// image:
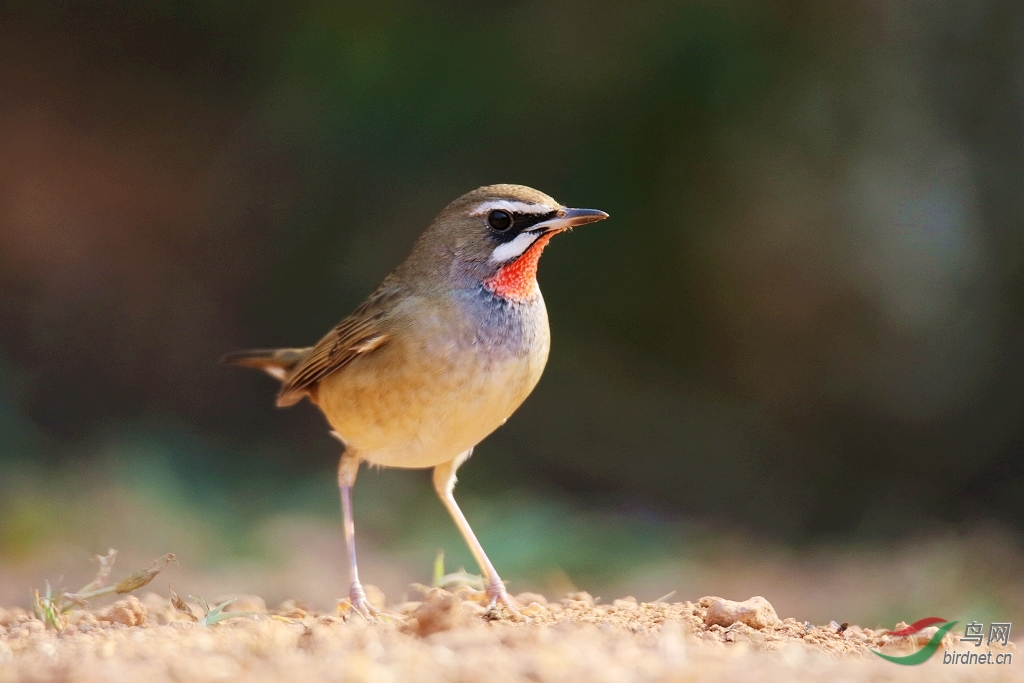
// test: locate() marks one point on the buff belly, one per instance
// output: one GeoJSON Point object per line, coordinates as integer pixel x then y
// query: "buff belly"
{"type": "Point", "coordinates": [411, 405]}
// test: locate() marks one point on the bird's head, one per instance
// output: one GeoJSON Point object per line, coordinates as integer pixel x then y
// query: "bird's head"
{"type": "Point", "coordinates": [494, 236]}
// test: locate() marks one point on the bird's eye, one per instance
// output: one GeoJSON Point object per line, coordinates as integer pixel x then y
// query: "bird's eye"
{"type": "Point", "coordinates": [499, 220]}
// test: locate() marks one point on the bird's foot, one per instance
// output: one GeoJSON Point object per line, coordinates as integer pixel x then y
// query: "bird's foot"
{"type": "Point", "coordinates": [357, 602]}
{"type": "Point", "coordinates": [497, 595]}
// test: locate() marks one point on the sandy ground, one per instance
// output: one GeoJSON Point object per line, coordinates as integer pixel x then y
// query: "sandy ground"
{"type": "Point", "coordinates": [451, 637]}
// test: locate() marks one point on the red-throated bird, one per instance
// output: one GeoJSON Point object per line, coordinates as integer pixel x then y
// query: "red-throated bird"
{"type": "Point", "coordinates": [445, 350]}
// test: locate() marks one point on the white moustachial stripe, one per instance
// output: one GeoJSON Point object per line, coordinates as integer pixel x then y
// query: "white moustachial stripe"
{"type": "Point", "coordinates": [513, 207]}
{"type": "Point", "coordinates": [514, 248]}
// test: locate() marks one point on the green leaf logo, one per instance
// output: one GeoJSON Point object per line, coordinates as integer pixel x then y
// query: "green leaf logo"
{"type": "Point", "coordinates": [922, 655]}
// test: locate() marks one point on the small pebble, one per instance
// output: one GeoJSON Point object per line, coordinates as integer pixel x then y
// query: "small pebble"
{"type": "Point", "coordinates": [755, 612]}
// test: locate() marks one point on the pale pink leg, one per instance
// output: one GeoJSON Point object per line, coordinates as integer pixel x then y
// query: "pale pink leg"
{"type": "Point", "coordinates": [444, 483]}
{"type": "Point", "coordinates": [347, 470]}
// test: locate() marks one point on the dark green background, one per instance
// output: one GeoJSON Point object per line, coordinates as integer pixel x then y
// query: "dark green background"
{"type": "Point", "coordinates": [804, 317]}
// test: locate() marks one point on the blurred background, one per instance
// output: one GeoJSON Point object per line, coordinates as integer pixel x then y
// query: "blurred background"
{"type": "Point", "coordinates": [791, 364]}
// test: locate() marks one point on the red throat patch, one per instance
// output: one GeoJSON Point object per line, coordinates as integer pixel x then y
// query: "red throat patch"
{"type": "Point", "coordinates": [517, 280]}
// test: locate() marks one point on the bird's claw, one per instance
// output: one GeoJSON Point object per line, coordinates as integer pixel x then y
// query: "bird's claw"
{"type": "Point", "coordinates": [357, 602]}
{"type": "Point", "coordinates": [497, 595]}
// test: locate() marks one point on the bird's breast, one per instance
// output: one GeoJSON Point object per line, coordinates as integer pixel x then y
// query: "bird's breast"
{"type": "Point", "coordinates": [500, 328]}
{"type": "Point", "coordinates": [453, 373]}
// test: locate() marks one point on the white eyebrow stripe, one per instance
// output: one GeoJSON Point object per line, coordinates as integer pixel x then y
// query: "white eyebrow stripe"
{"type": "Point", "coordinates": [514, 248]}
{"type": "Point", "coordinates": [514, 207]}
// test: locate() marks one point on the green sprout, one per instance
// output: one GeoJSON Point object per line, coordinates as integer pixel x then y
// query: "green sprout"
{"type": "Point", "coordinates": [52, 609]}
{"type": "Point", "coordinates": [211, 615]}
{"type": "Point", "coordinates": [455, 580]}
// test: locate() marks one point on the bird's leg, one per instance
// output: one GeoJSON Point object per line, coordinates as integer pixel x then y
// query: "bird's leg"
{"type": "Point", "coordinates": [347, 470]}
{"type": "Point", "coordinates": [444, 483]}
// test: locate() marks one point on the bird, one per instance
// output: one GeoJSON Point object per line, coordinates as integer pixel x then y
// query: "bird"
{"type": "Point", "coordinates": [438, 356]}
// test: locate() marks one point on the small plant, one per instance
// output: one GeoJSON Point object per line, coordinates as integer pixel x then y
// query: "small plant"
{"type": "Point", "coordinates": [458, 579]}
{"type": "Point", "coordinates": [52, 609]}
{"type": "Point", "coordinates": [211, 615]}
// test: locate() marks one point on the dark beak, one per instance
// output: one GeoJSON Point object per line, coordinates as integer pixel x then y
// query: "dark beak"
{"type": "Point", "coordinates": [569, 218]}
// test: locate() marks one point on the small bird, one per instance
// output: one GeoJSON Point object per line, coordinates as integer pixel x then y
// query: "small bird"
{"type": "Point", "coordinates": [439, 356]}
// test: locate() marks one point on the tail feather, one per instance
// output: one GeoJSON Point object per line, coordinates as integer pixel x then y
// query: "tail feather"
{"type": "Point", "coordinates": [275, 362]}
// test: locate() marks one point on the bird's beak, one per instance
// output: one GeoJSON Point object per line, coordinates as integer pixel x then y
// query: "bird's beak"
{"type": "Point", "coordinates": [569, 218]}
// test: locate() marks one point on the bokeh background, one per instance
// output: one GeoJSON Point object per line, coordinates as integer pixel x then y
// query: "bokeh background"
{"type": "Point", "coordinates": [791, 364]}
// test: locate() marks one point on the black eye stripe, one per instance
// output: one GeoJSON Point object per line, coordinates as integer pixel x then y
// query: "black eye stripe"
{"type": "Point", "coordinates": [520, 222]}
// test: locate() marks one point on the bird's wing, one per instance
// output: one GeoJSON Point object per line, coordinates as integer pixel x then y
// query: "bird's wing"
{"type": "Point", "coordinates": [362, 332]}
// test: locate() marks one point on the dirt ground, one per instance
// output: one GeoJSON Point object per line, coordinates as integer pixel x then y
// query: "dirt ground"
{"type": "Point", "coordinates": [451, 637]}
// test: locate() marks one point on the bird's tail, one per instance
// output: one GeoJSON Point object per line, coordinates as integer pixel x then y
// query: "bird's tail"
{"type": "Point", "coordinates": [275, 362]}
